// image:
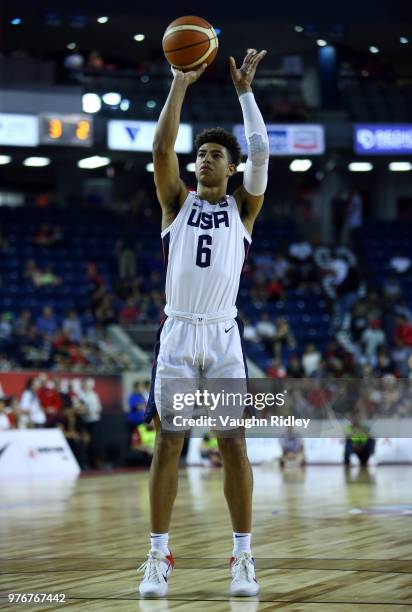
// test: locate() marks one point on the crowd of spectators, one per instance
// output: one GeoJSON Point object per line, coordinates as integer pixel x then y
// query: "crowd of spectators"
{"type": "Point", "coordinates": [74, 342]}
{"type": "Point", "coordinates": [53, 401]}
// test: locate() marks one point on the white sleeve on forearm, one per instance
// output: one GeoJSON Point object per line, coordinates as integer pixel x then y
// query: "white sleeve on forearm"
{"type": "Point", "coordinates": [255, 176]}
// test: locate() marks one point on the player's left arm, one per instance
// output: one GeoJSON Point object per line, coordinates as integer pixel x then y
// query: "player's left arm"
{"type": "Point", "coordinates": [249, 196]}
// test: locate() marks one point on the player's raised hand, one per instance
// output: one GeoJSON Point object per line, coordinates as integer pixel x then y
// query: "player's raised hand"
{"type": "Point", "coordinates": [242, 77]}
{"type": "Point", "coordinates": [188, 77]}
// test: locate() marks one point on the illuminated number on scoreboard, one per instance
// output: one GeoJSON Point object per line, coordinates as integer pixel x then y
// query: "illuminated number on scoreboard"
{"type": "Point", "coordinates": [203, 253]}
{"type": "Point", "coordinates": [82, 130]}
{"type": "Point", "coordinates": [55, 129]}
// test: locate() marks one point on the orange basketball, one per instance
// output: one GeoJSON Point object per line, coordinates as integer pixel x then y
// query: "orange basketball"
{"type": "Point", "coordinates": [189, 42]}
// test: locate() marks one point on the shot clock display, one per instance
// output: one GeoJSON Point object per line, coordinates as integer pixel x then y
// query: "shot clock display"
{"type": "Point", "coordinates": [68, 130]}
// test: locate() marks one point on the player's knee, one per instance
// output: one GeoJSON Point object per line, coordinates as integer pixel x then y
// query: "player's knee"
{"type": "Point", "coordinates": [168, 447]}
{"type": "Point", "coordinates": [232, 449]}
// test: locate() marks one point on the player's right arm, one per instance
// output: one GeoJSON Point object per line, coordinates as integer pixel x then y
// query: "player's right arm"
{"type": "Point", "coordinates": [171, 191]}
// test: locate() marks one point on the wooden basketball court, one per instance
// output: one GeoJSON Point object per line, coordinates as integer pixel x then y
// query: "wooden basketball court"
{"type": "Point", "coordinates": [324, 540]}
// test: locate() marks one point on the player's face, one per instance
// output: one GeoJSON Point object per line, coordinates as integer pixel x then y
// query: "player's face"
{"type": "Point", "coordinates": [213, 165]}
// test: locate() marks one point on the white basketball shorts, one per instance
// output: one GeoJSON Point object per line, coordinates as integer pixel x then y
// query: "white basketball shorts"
{"type": "Point", "coordinates": [189, 352]}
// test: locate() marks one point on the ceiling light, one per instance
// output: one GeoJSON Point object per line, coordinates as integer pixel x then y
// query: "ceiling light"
{"type": "Point", "coordinates": [150, 167]}
{"type": "Point", "coordinates": [71, 46]}
{"type": "Point", "coordinates": [112, 98]}
{"type": "Point", "coordinates": [360, 167]}
{"type": "Point", "coordinates": [151, 104]}
{"type": "Point", "coordinates": [36, 162]}
{"type": "Point", "coordinates": [4, 159]}
{"type": "Point", "coordinates": [321, 43]}
{"type": "Point", "coordinates": [191, 167]}
{"type": "Point", "coordinates": [300, 165]}
{"type": "Point", "coordinates": [400, 166]}
{"type": "Point", "coordinates": [91, 103]}
{"type": "Point", "coordinates": [95, 161]}
{"type": "Point", "coordinates": [373, 49]}
{"type": "Point", "coordinates": [403, 40]}
{"type": "Point", "coordinates": [16, 21]}
{"type": "Point", "coordinates": [298, 28]}
{"type": "Point", "coordinates": [102, 19]}
{"type": "Point", "coordinates": [125, 104]}
{"type": "Point", "coordinates": [139, 37]}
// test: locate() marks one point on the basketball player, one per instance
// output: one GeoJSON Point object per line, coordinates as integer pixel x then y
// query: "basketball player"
{"type": "Point", "coordinates": [206, 236]}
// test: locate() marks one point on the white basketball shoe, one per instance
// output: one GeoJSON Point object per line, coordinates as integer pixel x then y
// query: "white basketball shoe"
{"type": "Point", "coordinates": [157, 570]}
{"type": "Point", "coordinates": [244, 583]}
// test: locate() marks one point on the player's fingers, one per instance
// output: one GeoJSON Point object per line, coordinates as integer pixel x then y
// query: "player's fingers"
{"type": "Point", "coordinates": [232, 63]}
{"type": "Point", "coordinates": [260, 56]}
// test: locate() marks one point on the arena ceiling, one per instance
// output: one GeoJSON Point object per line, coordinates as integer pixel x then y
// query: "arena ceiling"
{"type": "Point", "coordinates": [354, 25]}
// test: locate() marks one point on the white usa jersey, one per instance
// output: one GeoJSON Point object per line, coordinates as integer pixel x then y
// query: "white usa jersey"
{"type": "Point", "coordinates": [204, 251]}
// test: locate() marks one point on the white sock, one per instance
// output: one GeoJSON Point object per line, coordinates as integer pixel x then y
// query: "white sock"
{"type": "Point", "coordinates": [160, 541]}
{"type": "Point", "coordinates": [241, 543]}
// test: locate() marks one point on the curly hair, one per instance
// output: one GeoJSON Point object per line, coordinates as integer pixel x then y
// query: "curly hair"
{"type": "Point", "coordinates": [222, 137]}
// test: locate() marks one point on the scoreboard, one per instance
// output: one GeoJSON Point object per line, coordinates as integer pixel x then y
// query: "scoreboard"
{"type": "Point", "coordinates": [67, 130]}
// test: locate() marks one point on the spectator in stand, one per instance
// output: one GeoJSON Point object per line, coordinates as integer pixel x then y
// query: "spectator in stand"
{"type": "Point", "coordinates": [126, 259]}
{"type": "Point", "coordinates": [280, 266]}
{"type": "Point", "coordinates": [129, 314]}
{"type": "Point", "coordinates": [32, 414]}
{"type": "Point", "coordinates": [399, 356]}
{"type": "Point", "coordinates": [47, 324]}
{"type": "Point", "coordinates": [266, 331]}
{"type": "Point", "coordinates": [294, 368]}
{"type": "Point", "coordinates": [105, 312]}
{"type": "Point", "coordinates": [6, 331]}
{"type": "Point", "coordinates": [276, 369]}
{"type": "Point", "coordinates": [91, 416]}
{"type": "Point", "coordinates": [283, 338]}
{"type": "Point", "coordinates": [300, 251]}
{"type": "Point", "coordinates": [359, 320]}
{"type": "Point", "coordinates": [46, 278]}
{"type": "Point", "coordinates": [402, 308]}
{"type": "Point", "coordinates": [249, 332]}
{"type": "Point", "coordinates": [371, 339]}
{"type": "Point", "coordinates": [275, 290]}
{"type": "Point", "coordinates": [72, 327]}
{"type": "Point", "coordinates": [97, 288]}
{"type": "Point", "coordinates": [384, 364]}
{"type": "Point", "coordinates": [31, 349]}
{"type": "Point", "coordinates": [5, 421]}
{"type": "Point", "coordinates": [22, 323]}
{"type": "Point", "coordinates": [311, 360]}
{"type": "Point", "coordinates": [400, 263]}
{"type": "Point", "coordinates": [392, 290]}
{"type": "Point", "coordinates": [30, 270]}
{"type": "Point", "coordinates": [403, 331]}
{"type": "Point", "coordinates": [51, 403]}
{"type": "Point", "coordinates": [353, 219]}
{"type": "Point", "coordinates": [70, 425]}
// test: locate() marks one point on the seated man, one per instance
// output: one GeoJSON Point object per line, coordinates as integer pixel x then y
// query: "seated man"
{"type": "Point", "coordinates": [359, 446]}
{"type": "Point", "coordinates": [292, 449]}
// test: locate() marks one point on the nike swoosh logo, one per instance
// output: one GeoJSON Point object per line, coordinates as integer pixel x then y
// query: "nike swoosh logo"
{"type": "Point", "coordinates": [228, 330]}
{"type": "Point", "coordinates": [5, 447]}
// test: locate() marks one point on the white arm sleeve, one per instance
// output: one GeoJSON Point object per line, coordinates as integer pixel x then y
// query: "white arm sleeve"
{"type": "Point", "coordinates": [255, 176]}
